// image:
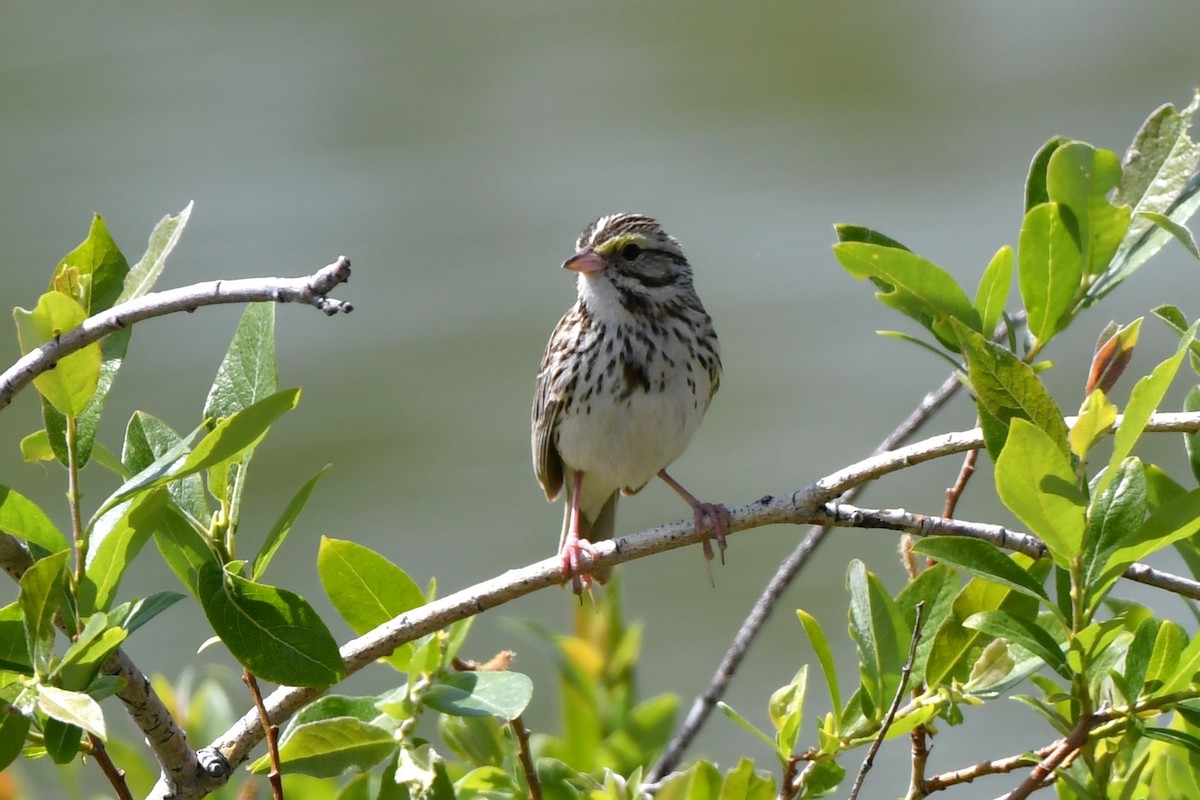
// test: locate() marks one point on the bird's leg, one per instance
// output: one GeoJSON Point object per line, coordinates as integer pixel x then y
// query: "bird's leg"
{"type": "Point", "coordinates": [574, 544]}
{"type": "Point", "coordinates": [716, 513]}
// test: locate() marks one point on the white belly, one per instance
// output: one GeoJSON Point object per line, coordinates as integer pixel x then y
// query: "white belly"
{"type": "Point", "coordinates": [622, 444]}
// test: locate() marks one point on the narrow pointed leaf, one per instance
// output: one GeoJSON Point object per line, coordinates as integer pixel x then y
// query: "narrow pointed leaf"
{"type": "Point", "coordinates": [983, 560]}
{"type": "Point", "coordinates": [1035, 182]}
{"type": "Point", "coordinates": [1145, 398]}
{"type": "Point", "coordinates": [1178, 519]}
{"type": "Point", "coordinates": [881, 636]}
{"type": "Point", "coordinates": [1181, 232]}
{"type": "Point", "coordinates": [112, 554]}
{"type": "Point", "coordinates": [142, 277]}
{"type": "Point", "coordinates": [248, 373]}
{"type": "Point", "coordinates": [283, 525]}
{"type": "Point", "coordinates": [992, 295]}
{"type": "Point", "coordinates": [148, 438]}
{"type": "Point", "coordinates": [820, 646]}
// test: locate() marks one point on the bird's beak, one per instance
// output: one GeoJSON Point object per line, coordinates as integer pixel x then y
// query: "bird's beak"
{"type": "Point", "coordinates": [584, 263]}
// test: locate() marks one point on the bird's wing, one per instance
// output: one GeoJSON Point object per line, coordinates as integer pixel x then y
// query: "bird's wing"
{"type": "Point", "coordinates": [547, 400]}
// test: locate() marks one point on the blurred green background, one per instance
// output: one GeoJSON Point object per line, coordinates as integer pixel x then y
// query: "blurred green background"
{"type": "Point", "coordinates": [453, 151]}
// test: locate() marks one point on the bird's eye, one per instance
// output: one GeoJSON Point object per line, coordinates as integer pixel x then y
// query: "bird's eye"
{"type": "Point", "coordinates": [630, 251]}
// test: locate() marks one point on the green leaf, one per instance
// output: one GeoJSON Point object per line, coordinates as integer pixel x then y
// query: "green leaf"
{"type": "Point", "coordinates": [61, 740]}
{"type": "Point", "coordinates": [136, 613]}
{"type": "Point", "coordinates": [21, 517]}
{"type": "Point", "coordinates": [41, 595]}
{"type": "Point", "coordinates": [859, 233]}
{"type": "Point", "coordinates": [330, 747]}
{"type": "Point", "coordinates": [84, 657]}
{"type": "Point", "coordinates": [992, 294]}
{"type": "Point", "coordinates": [367, 589]}
{"type": "Point", "coordinates": [1096, 418]}
{"type": "Point", "coordinates": [73, 708]}
{"type": "Point", "coordinates": [905, 337]}
{"type": "Point", "coordinates": [910, 284]}
{"type": "Point", "coordinates": [956, 649]}
{"type": "Point", "coordinates": [148, 438]}
{"type": "Point", "coordinates": [1156, 179]}
{"type": "Point", "coordinates": [476, 740]}
{"type": "Point", "coordinates": [14, 651]}
{"type": "Point", "coordinates": [1183, 672]}
{"type": "Point", "coordinates": [1036, 481]}
{"type": "Point", "coordinates": [1080, 178]}
{"type": "Point", "coordinates": [231, 437]}
{"type": "Point", "coordinates": [881, 636]}
{"type": "Point", "coordinates": [1183, 739]}
{"type": "Point", "coordinates": [936, 587]}
{"type": "Point", "coordinates": [1022, 631]}
{"type": "Point", "coordinates": [1115, 515]}
{"type": "Point", "coordinates": [1035, 183]}
{"type": "Point", "coordinates": [744, 783]}
{"type": "Point", "coordinates": [112, 355]}
{"type": "Point", "coordinates": [113, 551]}
{"type": "Point", "coordinates": [163, 238]}
{"type": "Point", "coordinates": [1181, 232]}
{"type": "Point", "coordinates": [249, 372]}
{"type": "Point", "coordinates": [983, 560]}
{"type": "Point", "coordinates": [1144, 400]}
{"type": "Point", "coordinates": [745, 724]}
{"type": "Point", "coordinates": [1191, 441]}
{"type": "Point", "coordinates": [820, 646]}
{"type": "Point", "coordinates": [1007, 389]}
{"type": "Point", "coordinates": [272, 632]}
{"type": "Point", "coordinates": [476, 694]}
{"type": "Point", "coordinates": [1167, 524]}
{"type": "Point", "coordinates": [786, 710]}
{"type": "Point", "coordinates": [283, 525]}
{"type": "Point", "coordinates": [1137, 658]}
{"type": "Point", "coordinates": [1049, 269]}
{"type": "Point", "coordinates": [93, 272]}
{"type": "Point", "coordinates": [1168, 648]}
{"type": "Point", "coordinates": [185, 550]}
{"type": "Point", "coordinates": [13, 727]}
{"type": "Point", "coordinates": [69, 386]}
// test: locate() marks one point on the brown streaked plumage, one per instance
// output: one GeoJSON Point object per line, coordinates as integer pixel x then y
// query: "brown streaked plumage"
{"type": "Point", "coordinates": [627, 375]}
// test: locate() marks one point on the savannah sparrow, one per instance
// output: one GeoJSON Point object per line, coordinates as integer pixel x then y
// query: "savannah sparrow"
{"type": "Point", "coordinates": [625, 380]}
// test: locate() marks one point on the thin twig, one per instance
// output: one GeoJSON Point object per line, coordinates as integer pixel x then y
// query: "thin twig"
{"type": "Point", "coordinates": [523, 752]}
{"type": "Point", "coordinates": [1044, 771]}
{"type": "Point", "coordinates": [845, 515]}
{"type": "Point", "coordinates": [954, 493]}
{"type": "Point", "coordinates": [272, 733]}
{"type": "Point", "coordinates": [312, 290]}
{"type": "Point", "coordinates": [918, 738]}
{"type": "Point", "coordinates": [999, 766]}
{"type": "Point", "coordinates": [115, 775]}
{"type": "Point", "coordinates": [707, 700]}
{"type": "Point", "coordinates": [905, 673]}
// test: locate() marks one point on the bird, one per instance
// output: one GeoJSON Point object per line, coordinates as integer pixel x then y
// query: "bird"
{"type": "Point", "coordinates": [627, 376]}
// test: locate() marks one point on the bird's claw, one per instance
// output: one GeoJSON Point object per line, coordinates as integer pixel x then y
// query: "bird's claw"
{"type": "Point", "coordinates": [573, 566]}
{"type": "Point", "coordinates": [718, 515]}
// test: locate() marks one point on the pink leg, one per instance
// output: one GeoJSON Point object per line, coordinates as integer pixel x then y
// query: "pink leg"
{"type": "Point", "coordinates": [575, 545]}
{"type": "Point", "coordinates": [716, 513]}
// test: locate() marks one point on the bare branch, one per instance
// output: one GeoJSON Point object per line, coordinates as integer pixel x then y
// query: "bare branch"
{"type": "Point", "coordinates": [312, 290]}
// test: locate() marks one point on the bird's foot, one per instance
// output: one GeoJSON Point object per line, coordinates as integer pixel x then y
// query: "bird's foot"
{"type": "Point", "coordinates": [718, 515]}
{"type": "Point", "coordinates": [573, 564]}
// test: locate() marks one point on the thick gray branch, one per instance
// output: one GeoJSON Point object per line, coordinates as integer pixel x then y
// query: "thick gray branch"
{"type": "Point", "coordinates": [310, 289]}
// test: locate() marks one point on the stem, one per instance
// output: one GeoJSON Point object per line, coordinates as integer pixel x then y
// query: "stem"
{"type": "Point", "coordinates": [115, 775]}
{"type": "Point", "coordinates": [272, 734]}
{"type": "Point", "coordinates": [73, 500]}
{"type": "Point", "coordinates": [531, 778]}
